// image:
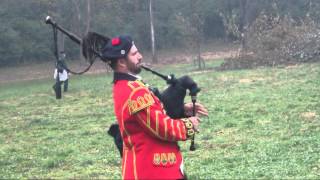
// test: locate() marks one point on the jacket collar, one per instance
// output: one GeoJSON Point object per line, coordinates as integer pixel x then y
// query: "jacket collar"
{"type": "Point", "coordinates": [117, 76]}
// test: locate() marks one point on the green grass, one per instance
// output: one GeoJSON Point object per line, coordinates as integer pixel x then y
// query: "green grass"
{"type": "Point", "coordinates": [263, 123]}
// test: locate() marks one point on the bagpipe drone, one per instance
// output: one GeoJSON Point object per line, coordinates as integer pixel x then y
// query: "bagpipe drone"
{"type": "Point", "coordinates": [172, 97]}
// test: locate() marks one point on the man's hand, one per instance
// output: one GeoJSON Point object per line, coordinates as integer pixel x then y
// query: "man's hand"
{"type": "Point", "coordinates": [195, 121]}
{"type": "Point", "coordinates": [200, 109]}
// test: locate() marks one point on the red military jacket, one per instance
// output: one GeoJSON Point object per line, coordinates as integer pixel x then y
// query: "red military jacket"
{"type": "Point", "coordinates": [149, 135]}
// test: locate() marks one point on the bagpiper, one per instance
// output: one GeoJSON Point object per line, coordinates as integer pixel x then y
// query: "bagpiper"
{"type": "Point", "coordinates": [150, 136]}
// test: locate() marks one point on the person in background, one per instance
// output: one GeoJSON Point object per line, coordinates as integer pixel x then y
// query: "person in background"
{"type": "Point", "coordinates": [61, 75]}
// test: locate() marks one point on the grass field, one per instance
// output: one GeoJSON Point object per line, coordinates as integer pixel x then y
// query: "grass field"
{"type": "Point", "coordinates": [262, 123]}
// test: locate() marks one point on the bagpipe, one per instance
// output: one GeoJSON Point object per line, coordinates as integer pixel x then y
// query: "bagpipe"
{"type": "Point", "coordinates": [172, 97]}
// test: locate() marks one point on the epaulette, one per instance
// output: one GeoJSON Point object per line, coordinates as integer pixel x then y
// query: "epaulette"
{"type": "Point", "coordinates": [139, 98]}
{"type": "Point", "coordinates": [135, 84]}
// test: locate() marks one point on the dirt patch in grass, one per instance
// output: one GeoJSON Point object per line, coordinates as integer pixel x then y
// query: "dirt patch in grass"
{"type": "Point", "coordinates": [308, 116]}
{"type": "Point", "coordinates": [245, 81]}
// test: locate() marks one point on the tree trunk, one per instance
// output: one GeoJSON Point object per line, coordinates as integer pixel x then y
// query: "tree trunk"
{"type": "Point", "coordinates": [77, 25]}
{"type": "Point", "coordinates": [199, 51]}
{"type": "Point", "coordinates": [228, 16]}
{"type": "Point", "coordinates": [60, 36]}
{"type": "Point", "coordinates": [242, 26]}
{"type": "Point", "coordinates": [154, 56]}
{"type": "Point", "coordinates": [88, 16]}
{"type": "Point", "coordinates": [77, 21]}
{"type": "Point", "coordinates": [197, 22]}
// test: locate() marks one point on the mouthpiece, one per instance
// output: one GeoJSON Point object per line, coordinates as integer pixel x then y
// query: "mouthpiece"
{"type": "Point", "coordinates": [144, 65]}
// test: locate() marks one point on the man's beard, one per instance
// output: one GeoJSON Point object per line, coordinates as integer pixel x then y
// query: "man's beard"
{"type": "Point", "coordinates": [134, 68]}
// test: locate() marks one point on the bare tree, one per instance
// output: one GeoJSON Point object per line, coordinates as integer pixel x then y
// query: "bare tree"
{"type": "Point", "coordinates": [88, 16]}
{"type": "Point", "coordinates": [242, 25]}
{"type": "Point", "coordinates": [196, 28]}
{"type": "Point", "coordinates": [81, 16]}
{"type": "Point", "coordinates": [61, 36]}
{"type": "Point", "coordinates": [154, 56]}
{"type": "Point", "coordinates": [76, 25]}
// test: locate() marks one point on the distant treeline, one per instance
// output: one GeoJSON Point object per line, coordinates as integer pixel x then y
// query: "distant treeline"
{"type": "Point", "coordinates": [26, 38]}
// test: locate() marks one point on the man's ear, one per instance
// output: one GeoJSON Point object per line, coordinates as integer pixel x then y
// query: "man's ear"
{"type": "Point", "coordinates": [122, 63]}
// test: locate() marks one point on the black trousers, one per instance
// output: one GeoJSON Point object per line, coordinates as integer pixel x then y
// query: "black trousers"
{"type": "Point", "coordinates": [57, 88]}
{"type": "Point", "coordinates": [65, 85]}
